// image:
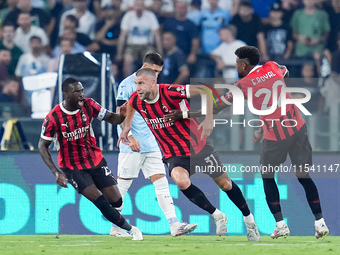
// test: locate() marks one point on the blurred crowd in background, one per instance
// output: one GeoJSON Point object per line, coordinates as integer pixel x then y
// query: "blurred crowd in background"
{"type": "Point", "coordinates": [197, 39]}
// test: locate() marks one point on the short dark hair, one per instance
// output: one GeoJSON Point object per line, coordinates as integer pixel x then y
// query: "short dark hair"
{"type": "Point", "coordinates": [73, 19]}
{"type": "Point", "coordinates": [251, 53]}
{"type": "Point", "coordinates": [34, 37]}
{"type": "Point", "coordinates": [146, 70]}
{"type": "Point", "coordinates": [8, 24]}
{"type": "Point", "coordinates": [67, 82]}
{"type": "Point", "coordinates": [153, 58]}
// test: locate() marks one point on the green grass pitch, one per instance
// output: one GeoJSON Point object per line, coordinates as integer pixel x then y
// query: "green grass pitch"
{"type": "Point", "coordinates": [189, 244]}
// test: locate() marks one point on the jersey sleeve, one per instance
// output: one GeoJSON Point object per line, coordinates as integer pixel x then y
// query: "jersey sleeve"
{"type": "Point", "coordinates": [177, 91]}
{"type": "Point", "coordinates": [133, 100]}
{"type": "Point", "coordinates": [124, 91]}
{"type": "Point", "coordinates": [97, 110]}
{"type": "Point", "coordinates": [48, 129]}
{"type": "Point", "coordinates": [228, 98]}
{"type": "Point", "coordinates": [281, 69]}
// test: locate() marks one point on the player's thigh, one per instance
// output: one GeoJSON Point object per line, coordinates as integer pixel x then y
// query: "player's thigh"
{"type": "Point", "coordinates": [301, 153]}
{"type": "Point", "coordinates": [103, 177]}
{"type": "Point", "coordinates": [79, 179]}
{"type": "Point", "coordinates": [151, 164]}
{"type": "Point", "coordinates": [273, 154]}
{"type": "Point", "coordinates": [208, 161]}
{"type": "Point", "coordinates": [91, 192]}
{"type": "Point", "coordinates": [129, 165]}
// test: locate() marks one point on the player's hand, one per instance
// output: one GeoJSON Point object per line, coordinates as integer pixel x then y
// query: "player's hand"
{"type": "Point", "coordinates": [134, 144]}
{"type": "Point", "coordinates": [61, 179]}
{"type": "Point", "coordinates": [257, 136]}
{"type": "Point", "coordinates": [123, 137]}
{"type": "Point", "coordinates": [122, 109]}
{"type": "Point", "coordinates": [207, 126]}
{"type": "Point", "coordinates": [173, 115]}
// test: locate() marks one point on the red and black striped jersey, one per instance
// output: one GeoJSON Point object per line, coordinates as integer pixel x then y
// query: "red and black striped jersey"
{"type": "Point", "coordinates": [267, 81]}
{"type": "Point", "coordinates": [175, 139]}
{"type": "Point", "coordinates": [73, 135]}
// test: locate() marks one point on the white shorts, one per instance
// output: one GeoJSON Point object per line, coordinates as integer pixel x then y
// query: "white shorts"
{"type": "Point", "coordinates": [129, 164]}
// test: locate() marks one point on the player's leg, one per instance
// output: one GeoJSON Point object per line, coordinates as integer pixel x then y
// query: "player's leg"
{"type": "Point", "coordinates": [107, 186]}
{"type": "Point", "coordinates": [209, 158]}
{"type": "Point", "coordinates": [273, 154]}
{"type": "Point", "coordinates": [301, 157]}
{"type": "Point", "coordinates": [153, 168]}
{"type": "Point", "coordinates": [179, 168]}
{"type": "Point", "coordinates": [128, 169]}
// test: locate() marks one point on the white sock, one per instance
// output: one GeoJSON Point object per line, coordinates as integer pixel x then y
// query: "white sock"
{"type": "Point", "coordinates": [165, 200]}
{"type": "Point", "coordinates": [280, 223]}
{"type": "Point", "coordinates": [320, 221]}
{"type": "Point", "coordinates": [216, 213]}
{"type": "Point", "coordinates": [249, 218]}
{"type": "Point", "coordinates": [123, 186]}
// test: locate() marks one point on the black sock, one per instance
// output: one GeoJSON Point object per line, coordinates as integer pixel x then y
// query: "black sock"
{"type": "Point", "coordinates": [196, 196]}
{"type": "Point", "coordinates": [272, 197]}
{"type": "Point", "coordinates": [236, 196]}
{"type": "Point", "coordinates": [312, 196]}
{"type": "Point", "coordinates": [111, 213]}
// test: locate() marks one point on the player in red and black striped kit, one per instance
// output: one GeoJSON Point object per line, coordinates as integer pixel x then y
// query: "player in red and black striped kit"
{"type": "Point", "coordinates": [80, 160]}
{"type": "Point", "coordinates": [267, 81]}
{"type": "Point", "coordinates": [184, 144]}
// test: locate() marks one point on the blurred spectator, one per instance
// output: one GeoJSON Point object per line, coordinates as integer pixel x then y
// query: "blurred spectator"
{"type": "Point", "coordinates": [139, 30]}
{"type": "Point", "coordinates": [262, 8]}
{"type": "Point", "coordinates": [11, 5]}
{"type": "Point", "coordinates": [26, 30]}
{"type": "Point", "coordinates": [331, 90]}
{"type": "Point", "coordinates": [5, 59]}
{"type": "Point", "coordinates": [69, 34]}
{"type": "Point", "coordinates": [194, 14]}
{"type": "Point", "coordinates": [72, 23]}
{"type": "Point", "coordinates": [86, 19]}
{"type": "Point", "coordinates": [7, 42]}
{"type": "Point", "coordinates": [288, 7]}
{"type": "Point", "coordinates": [107, 31]}
{"type": "Point", "coordinates": [278, 35]}
{"type": "Point", "coordinates": [66, 47]}
{"type": "Point", "coordinates": [185, 31]}
{"type": "Point", "coordinates": [39, 17]}
{"type": "Point", "coordinates": [310, 30]}
{"type": "Point", "coordinates": [211, 21]}
{"type": "Point", "coordinates": [250, 29]}
{"type": "Point", "coordinates": [32, 63]}
{"type": "Point", "coordinates": [167, 8]}
{"type": "Point", "coordinates": [224, 54]}
{"type": "Point", "coordinates": [175, 70]}
{"type": "Point", "coordinates": [11, 91]}
{"type": "Point", "coordinates": [333, 10]}
{"type": "Point", "coordinates": [309, 81]}
{"type": "Point", "coordinates": [227, 5]}
{"type": "Point", "coordinates": [156, 8]}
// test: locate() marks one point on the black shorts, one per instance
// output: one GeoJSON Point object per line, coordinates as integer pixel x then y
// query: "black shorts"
{"type": "Point", "coordinates": [275, 153]}
{"type": "Point", "coordinates": [102, 177]}
{"type": "Point", "coordinates": [207, 161]}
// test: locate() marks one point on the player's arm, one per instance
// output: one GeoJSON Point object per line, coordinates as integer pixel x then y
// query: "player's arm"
{"type": "Point", "coordinates": [124, 136]}
{"type": "Point", "coordinates": [46, 156]}
{"type": "Point", "coordinates": [176, 115]}
{"type": "Point", "coordinates": [134, 144]}
{"type": "Point", "coordinates": [207, 108]}
{"type": "Point", "coordinates": [118, 117]}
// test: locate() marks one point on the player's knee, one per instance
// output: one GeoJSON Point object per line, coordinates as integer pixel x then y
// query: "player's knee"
{"type": "Point", "coordinates": [225, 185]}
{"type": "Point", "coordinates": [183, 184]}
{"type": "Point", "coordinates": [118, 203]}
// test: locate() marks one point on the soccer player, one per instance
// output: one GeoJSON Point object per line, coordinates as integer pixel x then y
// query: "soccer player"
{"type": "Point", "coordinates": [184, 144]}
{"type": "Point", "coordinates": [143, 153]}
{"type": "Point", "coordinates": [80, 160]}
{"type": "Point", "coordinates": [278, 140]}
